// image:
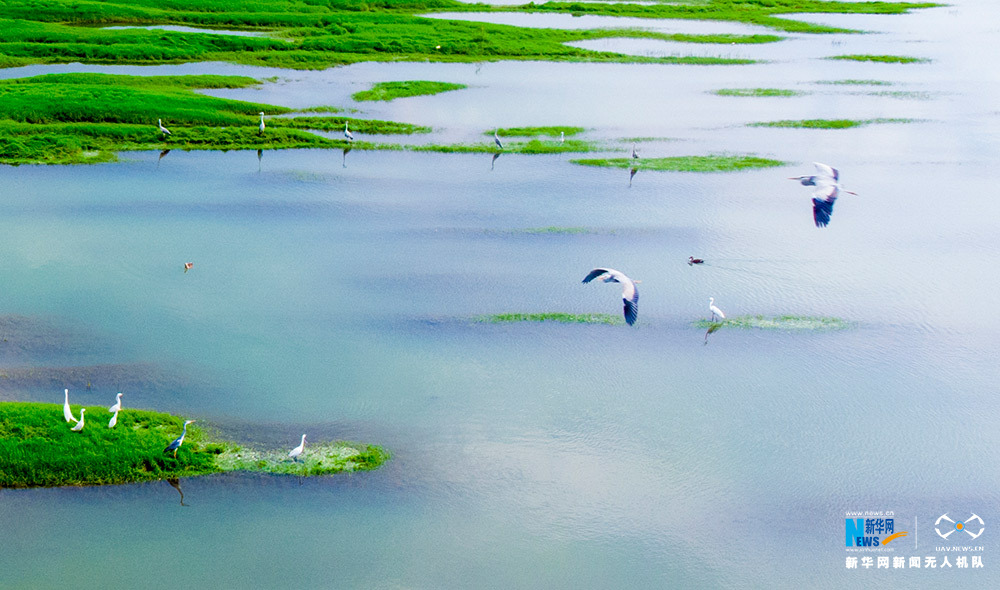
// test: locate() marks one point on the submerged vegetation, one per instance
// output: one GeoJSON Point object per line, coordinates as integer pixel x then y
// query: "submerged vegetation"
{"type": "Point", "coordinates": [552, 131]}
{"type": "Point", "coordinates": [562, 318]}
{"type": "Point", "coordinates": [760, 92]}
{"type": "Point", "coordinates": [828, 123]}
{"type": "Point", "coordinates": [37, 448]}
{"type": "Point", "coordinates": [783, 322]}
{"type": "Point", "coordinates": [889, 59]}
{"type": "Point", "coordinates": [393, 90]}
{"type": "Point", "coordinates": [711, 163]}
{"type": "Point", "coordinates": [850, 82]}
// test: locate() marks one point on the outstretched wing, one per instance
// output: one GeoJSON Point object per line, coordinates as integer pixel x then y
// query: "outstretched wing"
{"type": "Point", "coordinates": [827, 171]}
{"type": "Point", "coordinates": [631, 303]}
{"type": "Point", "coordinates": [594, 274]}
{"type": "Point", "coordinates": [822, 211]}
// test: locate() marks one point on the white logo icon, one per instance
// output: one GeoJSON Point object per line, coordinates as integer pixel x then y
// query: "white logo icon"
{"type": "Point", "coordinates": [959, 526]}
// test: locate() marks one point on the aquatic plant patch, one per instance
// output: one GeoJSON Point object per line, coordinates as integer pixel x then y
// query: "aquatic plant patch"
{"type": "Point", "coordinates": [562, 318]}
{"type": "Point", "coordinates": [783, 322]}
{"type": "Point", "coordinates": [828, 123]}
{"type": "Point", "coordinates": [711, 163]}
{"type": "Point", "coordinates": [889, 59]}
{"type": "Point", "coordinates": [387, 91]}
{"type": "Point", "coordinates": [757, 92]}
{"type": "Point", "coordinates": [550, 131]}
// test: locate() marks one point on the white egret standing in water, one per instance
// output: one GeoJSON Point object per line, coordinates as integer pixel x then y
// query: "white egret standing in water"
{"type": "Point", "coordinates": [496, 138]}
{"type": "Point", "coordinates": [178, 441]}
{"type": "Point", "coordinates": [347, 133]}
{"type": "Point", "coordinates": [118, 403]}
{"type": "Point", "coordinates": [715, 310]}
{"type": "Point", "coordinates": [630, 295]}
{"type": "Point", "coordinates": [261, 127]}
{"type": "Point", "coordinates": [294, 453]}
{"type": "Point", "coordinates": [79, 425]}
{"type": "Point", "coordinates": [163, 129]}
{"type": "Point", "coordinates": [67, 413]}
{"type": "Point", "coordinates": [827, 183]}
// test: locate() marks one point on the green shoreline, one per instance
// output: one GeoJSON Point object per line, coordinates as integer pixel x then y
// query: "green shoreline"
{"type": "Point", "coordinates": [38, 449]}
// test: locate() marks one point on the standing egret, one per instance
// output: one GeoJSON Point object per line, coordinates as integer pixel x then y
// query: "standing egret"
{"type": "Point", "coordinates": [188, 266]}
{"type": "Point", "coordinates": [163, 129]}
{"type": "Point", "coordinates": [261, 127]}
{"type": "Point", "coordinates": [827, 183]}
{"type": "Point", "coordinates": [496, 138]}
{"type": "Point", "coordinates": [630, 295]}
{"type": "Point", "coordinates": [347, 133]}
{"type": "Point", "coordinates": [67, 413]}
{"type": "Point", "coordinates": [178, 441]}
{"type": "Point", "coordinates": [118, 403]}
{"type": "Point", "coordinates": [79, 425]}
{"type": "Point", "coordinates": [294, 453]}
{"type": "Point", "coordinates": [635, 154]}
{"type": "Point", "coordinates": [114, 420]}
{"type": "Point", "coordinates": [562, 137]}
{"type": "Point", "coordinates": [715, 310]}
{"type": "Point", "coordinates": [692, 260]}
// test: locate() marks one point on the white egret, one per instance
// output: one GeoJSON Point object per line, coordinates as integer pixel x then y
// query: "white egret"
{"type": "Point", "coordinates": [163, 129]}
{"type": "Point", "coordinates": [562, 137]}
{"type": "Point", "coordinates": [347, 133]}
{"type": "Point", "coordinates": [261, 127]}
{"type": "Point", "coordinates": [693, 260]}
{"type": "Point", "coordinates": [67, 413]}
{"type": "Point", "coordinates": [635, 154]}
{"type": "Point", "coordinates": [496, 138]}
{"type": "Point", "coordinates": [294, 453]}
{"type": "Point", "coordinates": [178, 441]}
{"type": "Point", "coordinates": [114, 420]}
{"type": "Point", "coordinates": [79, 425]}
{"type": "Point", "coordinates": [118, 403]}
{"type": "Point", "coordinates": [715, 310]}
{"type": "Point", "coordinates": [630, 295]}
{"type": "Point", "coordinates": [827, 183]}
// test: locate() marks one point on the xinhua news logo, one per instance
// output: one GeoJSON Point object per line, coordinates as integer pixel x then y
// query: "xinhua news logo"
{"type": "Point", "coordinates": [871, 532]}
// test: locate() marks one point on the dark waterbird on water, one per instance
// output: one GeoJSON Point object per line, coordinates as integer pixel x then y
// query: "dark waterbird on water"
{"type": "Point", "coordinates": [630, 295]}
{"type": "Point", "coordinates": [692, 260]}
{"type": "Point", "coordinates": [827, 183]}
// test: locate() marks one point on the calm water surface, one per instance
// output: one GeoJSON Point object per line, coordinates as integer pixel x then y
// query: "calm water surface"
{"type": "Point", "coordinates": [337, 294]}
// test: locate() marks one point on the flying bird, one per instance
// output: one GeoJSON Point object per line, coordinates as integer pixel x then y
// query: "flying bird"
{"type": "Point", "coordinates": [261, 127]}
{"type": "Point", "coordinates": [347, 133]}
{"type": "Point", "coordinates": [496, 139]}
{"type": "Point", "coordinates": [114, 420]}
{"type": "Point", "coordinates": [118, 403]}
{"type": "Point", "coordinates": [294, 453]}
{"type": "Point", "coordinates": [163, 129]}
{"type": "Point", "coordinates": [79, 425]}
{"type": "Point", "coordinates": [693, 260]}
{"type": "Point", "coordinates": [827, 183]}
{"type": "Point", "coordinates": [188, 266]}
{"type": "Point", "coordinates": [630, 295]}
{"type": "Point", "coordinates": [178, 441]}
{"type": "Point", "coordinates": [715, 310]}
{"type": "Point", "coordinates": [67, 413]}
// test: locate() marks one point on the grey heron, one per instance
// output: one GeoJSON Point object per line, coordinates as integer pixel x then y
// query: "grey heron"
{"type": "Point", "coordinates": [118, 403]}
{"type": "Point", "coordinates": [496, 138]}
{"type": "Point", "coordinates": [635, 154]}
{"type": "Point", "coordinates": [67, 413]}
{"type": "Point", "coordinates": [715, 310]}
{"type": "Point", "coordinates": [179, 440]}
{"type": "Point", "coordinates": [163, 130]}
{"type": "Point", "coordinates": [294, 453]}
{"type": "Point", "coordinates": [79, 425]}
{"type": "Point", "coordinates": [827, 183]}
{"type": "Point", "coordinates": [347, 133]}
{"type": "Point", "coordinates": [630, 295]}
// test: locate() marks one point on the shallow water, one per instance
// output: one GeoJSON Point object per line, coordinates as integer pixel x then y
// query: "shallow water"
{"type": "Point", "coordinates": [337, 294]}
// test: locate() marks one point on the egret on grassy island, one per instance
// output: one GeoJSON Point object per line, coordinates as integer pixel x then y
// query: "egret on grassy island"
{"type": "Point", "coordinates": [496, 138]}
{"type": "Point", "coordinates": [114, 420]}
{"type": "Point", "coordinates": [67, 413]}
{"type": "Point", "coordinates": [693, 260]}
{"type": "Point", "coordinates": [715, 310]}
{"type": "Point", "coordinates": [79, 425]}
{"type": "Point", "coordinates": [294, 453]}
{"type": "Point", "coordinates": [635, 154]}
{"type": "Point", "coordinates": [163, 129]}
{"type": "Point", "coordinates": [118, 403]}
{"type": "Point", "coordinates": [261, 127]}
{"type": "Point", "coordinates": [347, 133]}
{"type": "Point", "coordinates": [178, 441]}
{"type": "Point", "coordinates": [827, 183]}
{"type": "Point", "coordinates": [562, 137]}
{"type": "Point", "coordinates": [630, 295]}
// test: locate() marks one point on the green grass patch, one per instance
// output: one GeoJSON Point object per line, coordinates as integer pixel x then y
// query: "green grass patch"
{"type": "Point", "coordinates": [37, 448]}
{"type": "Point", "coordinates": [783, 322]}
{"type": "Point", "coordinates": [712, 163]}
{"type": "Point", "coordinates": [552, 131]}
{"type": "Point", "coordinates": [851, 82]}
{"type": "Point", "coordinates": [888, 59]}
{"type": "Point", "coordinates": [393, 90]}
{"type": "Point", "coordinates": [759, 92]}
{"type": "Point", "coordinates": [562, 318]}
{"type": "Point", "coordinates": [828, 123]}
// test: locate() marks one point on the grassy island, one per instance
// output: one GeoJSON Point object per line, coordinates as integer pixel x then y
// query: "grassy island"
{"type": "Point", "coordinates": [393, 90]}
{"type": "Point", "coordinates": [783, 322]}
{"type": "Point", "coordinates": [711, 163]}
{"type": "Point", "coordinates": [37, 448]}
{"type": "Point", "coordinates": [558, 317]}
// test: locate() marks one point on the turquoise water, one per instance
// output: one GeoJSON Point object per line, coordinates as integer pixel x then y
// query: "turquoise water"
{"type": "Point", "coordinates": [337, 295]}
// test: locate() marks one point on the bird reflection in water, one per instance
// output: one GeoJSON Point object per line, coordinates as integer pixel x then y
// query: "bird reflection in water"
{"type": "Point", "coordinates": [631, 175]}
{"type": "Point", "coordinates": [494, 160]}
{"type": "Point", "coordinates": [176, 483]}
{"type": "Point", "coordinates": [711, 330]}
{"type": "Point", "coordinates": [260, 154]}
{"type": "Point", "coordinates": [346, 149]}
{"type": "Point", "coordinates": [163, 153]}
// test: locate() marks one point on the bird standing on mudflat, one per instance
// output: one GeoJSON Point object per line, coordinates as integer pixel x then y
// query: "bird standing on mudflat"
{"type": "Point", "coordinates": [630, 295]}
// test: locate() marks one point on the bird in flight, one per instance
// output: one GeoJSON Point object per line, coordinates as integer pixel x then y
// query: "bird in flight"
{"type": "Point", "coordinates": [630, 295]}
{"type": "Point", "coordinates": [827, 183]}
